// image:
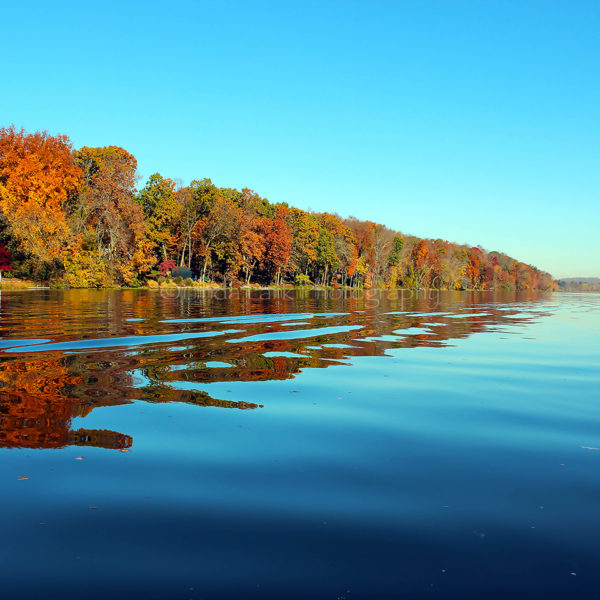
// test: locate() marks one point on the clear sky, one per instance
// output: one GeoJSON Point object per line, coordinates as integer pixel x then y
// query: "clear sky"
{"type": "Point", "coordinates": [477, 122]}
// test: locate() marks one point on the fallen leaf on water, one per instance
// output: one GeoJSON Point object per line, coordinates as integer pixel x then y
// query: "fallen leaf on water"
{"type": "Point", "coordinates": [22, 477]}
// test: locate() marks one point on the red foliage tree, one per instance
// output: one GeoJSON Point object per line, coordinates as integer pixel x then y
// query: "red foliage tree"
{"type": "Point", "coordinates": [165, 266]}
{"type": "Point", "coordinates": [5, 258]}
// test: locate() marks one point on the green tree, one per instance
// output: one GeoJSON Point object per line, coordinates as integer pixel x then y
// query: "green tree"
{"type": "Point", "coordinates": [327, 259]}
{"type": "Point", "coordinates": [395, 258]}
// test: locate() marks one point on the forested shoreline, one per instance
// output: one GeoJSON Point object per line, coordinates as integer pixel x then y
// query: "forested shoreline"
{"type": "Point", "coordinates": [583, 284]}
{"type": "Point", "coordinates": [74, 218]}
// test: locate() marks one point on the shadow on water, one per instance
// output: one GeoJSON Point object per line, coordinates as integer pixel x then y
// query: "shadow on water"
{"type": "Point", "coordinates": [63, 354]}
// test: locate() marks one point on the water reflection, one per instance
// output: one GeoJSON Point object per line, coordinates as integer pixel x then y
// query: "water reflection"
{"type": "Point", "coordinates": [62, 354]}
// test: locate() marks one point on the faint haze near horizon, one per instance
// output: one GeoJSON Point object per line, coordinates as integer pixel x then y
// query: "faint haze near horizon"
{"type": "Point", "coordinates": [476, 123]}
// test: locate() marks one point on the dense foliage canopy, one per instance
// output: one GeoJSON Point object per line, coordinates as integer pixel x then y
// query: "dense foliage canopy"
{"type": "Point", "coordinates": [74, 217]}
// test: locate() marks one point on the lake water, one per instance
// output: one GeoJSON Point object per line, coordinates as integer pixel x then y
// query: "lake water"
{"type": "Point", "coordinates": [340, 445]}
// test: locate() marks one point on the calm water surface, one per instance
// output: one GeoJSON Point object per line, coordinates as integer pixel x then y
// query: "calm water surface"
{"type": "Point", "coordinates": [299, 445]}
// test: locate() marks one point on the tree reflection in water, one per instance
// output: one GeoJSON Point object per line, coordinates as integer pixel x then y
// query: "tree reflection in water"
{"type": "Point", "coordinates": [256, 336]}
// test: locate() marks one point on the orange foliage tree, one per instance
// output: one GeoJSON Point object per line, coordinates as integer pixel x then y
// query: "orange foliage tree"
{"type": "Point", "coordinates": [278, 246]}
{"type": "Point", "coordinates": [37, 179]}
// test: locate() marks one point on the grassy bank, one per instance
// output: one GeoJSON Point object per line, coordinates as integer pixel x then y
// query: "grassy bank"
{"type": "Point", "coordinates": [16, 284]}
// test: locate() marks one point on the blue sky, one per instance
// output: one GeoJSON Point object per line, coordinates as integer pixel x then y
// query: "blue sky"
{"type": "Point", "coordinates": [477, 122]}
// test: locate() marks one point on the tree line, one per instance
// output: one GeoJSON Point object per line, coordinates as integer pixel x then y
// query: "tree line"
{"type": "Point", "coordinates": [75, 218]}
{"type": "Point", "coordinates": [584, 284]}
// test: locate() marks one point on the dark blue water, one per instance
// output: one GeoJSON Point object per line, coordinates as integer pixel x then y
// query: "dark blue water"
{"type": "Point", "coordinates": [299, 445]}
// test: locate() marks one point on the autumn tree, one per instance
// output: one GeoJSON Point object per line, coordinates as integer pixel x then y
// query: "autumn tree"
{"type": "Point", "coordinates": [451, 268]}
{"type": "Point", "coordinates": [161, 212]}
{"type": "Point", "coordinates": [419, 268]}
{"type": "Point", "coordinates": [5, 258]}
{"type": "Point", "coordinates": [37, 179]}
{"type": "Point", "coordinates": [278, 245]}
{"type": "Point", "coordinates": [382, 244]}
{"type": "Point", "coordinates": [196, 202]}
{"type": "Point", "coordinates": [305, 235]}
{"type": "Point", "coordinates": [344, 253]}
{"type": "Point", "coordinates": [347, 254]}
{"type": "Point", "coordinates": [364, 236]}
{"type": "Point", "coordinates": [250, 202]}
{"type": "Point", "coordinates": [255, 225]}
{"type": "Point", "coordinates": [216, 233]}
{"type": "Point", "coordinates": [473, 266]}
{"type": "Point", "coordinates": [107, 216]}
{"type": "Point", "coordinates": [222, 236]}
{"type": "Point", "coordinates": [252, 242]}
